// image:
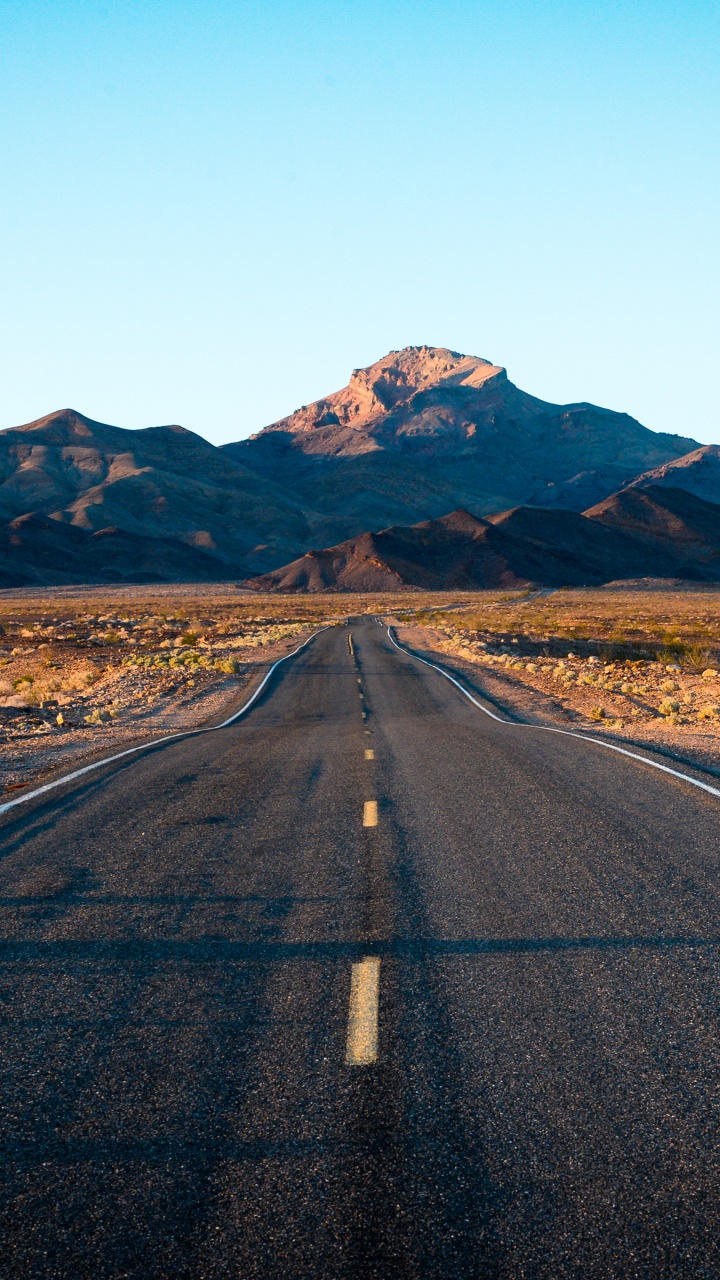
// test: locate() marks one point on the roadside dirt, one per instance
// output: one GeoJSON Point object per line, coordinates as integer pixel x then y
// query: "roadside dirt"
{"type": "Point", "coordinates": [652, 704]}
{"type": "Point", "coordinates": [122, 706]}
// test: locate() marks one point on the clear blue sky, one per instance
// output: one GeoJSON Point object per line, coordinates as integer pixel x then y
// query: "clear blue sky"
{"type": "Point", "coordinates": [212, 211]}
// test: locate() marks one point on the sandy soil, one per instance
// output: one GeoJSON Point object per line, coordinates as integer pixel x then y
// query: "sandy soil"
{"type": "Point", "coordinates": [653, 704]}
{"type": "Point", "coordinates": [124, 705]}
{"type": "Point", "coordinates": [84, 671]}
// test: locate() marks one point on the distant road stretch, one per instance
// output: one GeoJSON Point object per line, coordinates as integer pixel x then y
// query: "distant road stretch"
{"type": "Point", "coordinates": [364, 984]}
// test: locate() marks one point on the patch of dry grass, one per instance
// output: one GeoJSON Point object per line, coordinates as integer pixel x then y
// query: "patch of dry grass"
{"type": "Point", "coordinates": [80, 663]}
{"type": "Point", "coordinates": [669, 626]}
{"type": "Point", "coordinates": [646, 663]}
{"type": "Point", "coordinates": [82, 667]}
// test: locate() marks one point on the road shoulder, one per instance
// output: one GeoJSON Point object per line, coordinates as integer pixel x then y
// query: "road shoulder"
{"type": "Point", "coordinates": [512, 694]}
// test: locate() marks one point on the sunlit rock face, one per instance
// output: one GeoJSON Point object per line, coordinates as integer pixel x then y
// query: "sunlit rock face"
{"type": "Point", "coordinates": [427, 430]}
{"type": "Point", "coordinates": [422, 432]}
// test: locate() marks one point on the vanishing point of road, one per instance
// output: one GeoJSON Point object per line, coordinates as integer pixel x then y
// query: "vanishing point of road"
{"type": "Point", "coordinates": [365, 984]}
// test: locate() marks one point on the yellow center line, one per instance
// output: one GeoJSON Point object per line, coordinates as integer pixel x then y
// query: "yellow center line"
{"type": "Point", "coordinates": [362, 1035]}
{"type": "Point", "coordinates": [369, 753]}
{"type": "Point", "coordinates": [370, 813]}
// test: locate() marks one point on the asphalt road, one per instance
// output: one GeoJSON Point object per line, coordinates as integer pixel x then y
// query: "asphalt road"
{"type": "Point", "coordinates": [179, 932]}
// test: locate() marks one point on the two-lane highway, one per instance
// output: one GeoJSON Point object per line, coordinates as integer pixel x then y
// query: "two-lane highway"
{"type": "Point", "coordinates": [366, 984]}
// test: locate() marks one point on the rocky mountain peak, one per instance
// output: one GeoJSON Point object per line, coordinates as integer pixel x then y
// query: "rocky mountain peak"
{"type": "Point", "coordinates": [380, 387]}
{"type": "Point", "coordinates": [67, 425]}
{"type": "Point", "coordinates": [421, 432]}
{"type": "Point", "coordinates": [401, 373]}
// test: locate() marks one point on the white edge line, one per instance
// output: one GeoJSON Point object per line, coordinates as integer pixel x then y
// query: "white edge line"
{"type": "Point", "coordinates": [145, 746]}
{"type": "Point", "coordinates": [565, 733]}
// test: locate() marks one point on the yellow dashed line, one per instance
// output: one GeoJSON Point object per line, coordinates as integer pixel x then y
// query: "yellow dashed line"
{"type": "Point", "coordinates": [369, 753]}
{"type": "Point", "coordinates": [362, 1035]}
{"type": "Point", "coordinates": [370, 813]}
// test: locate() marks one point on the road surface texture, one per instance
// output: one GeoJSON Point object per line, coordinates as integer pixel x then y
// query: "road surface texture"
{"type": "Point", "coordinates": [364, 985]}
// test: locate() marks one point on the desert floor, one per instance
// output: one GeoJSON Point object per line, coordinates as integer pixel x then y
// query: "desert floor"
{"type": "Point", "coordinates": [83, 670]}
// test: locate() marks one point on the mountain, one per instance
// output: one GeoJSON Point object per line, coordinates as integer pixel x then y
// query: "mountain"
{"type": "Point", "coordinates": [36, 550]}
{"type": "Point", "coordinates": [683, 528]}
{"type": "Point", "coordinates": [637, 533]}
{"type": "Point", "coordinates": [419, 433]}
{"type": "Point", "coordinates": [697, 472]}
{"type": "Point", "coordinates": [584, 489]}
{"type": "Point", "coordinates": [154, 489]}
{"type": "Point", "coordinates": [426, 430]}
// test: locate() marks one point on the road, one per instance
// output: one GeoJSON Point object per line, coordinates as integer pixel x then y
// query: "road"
{"type": "Point", "coordinates": [247, 1035]}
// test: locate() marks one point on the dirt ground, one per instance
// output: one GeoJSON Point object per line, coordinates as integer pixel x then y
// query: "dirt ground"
{"type": "Point", "coordinates": [657, 704]}
{"type": "Point", "coordinates": [87, 670]}
{"type": "Point", "coordinates": [79, 681]}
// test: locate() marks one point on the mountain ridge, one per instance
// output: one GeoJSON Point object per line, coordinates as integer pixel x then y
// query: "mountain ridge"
{"type": "Point", "coordinates": [160, 482]}
{"type": "Point", "coordinates": [654, 532]}
{"type": "Point", "coordinates": [422, 432]}
{"type": "Point", "coordinates": [487, 444]}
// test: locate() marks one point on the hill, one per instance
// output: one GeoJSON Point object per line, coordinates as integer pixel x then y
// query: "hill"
{"type": "Point", "coordinates": [35, 550]}
{"type": "Point", "coordinates": [156, 489]}
{"type": "Point", "coordinates": [419, 433]}
{"type": "Point", "coordinates": [426, 430]}
{"type": "Point", "coordinates": [658, 533]}
{"type": "Point", "coordinates": [697, 472]}
{"type": "Point", "coordinates": [681, 527]}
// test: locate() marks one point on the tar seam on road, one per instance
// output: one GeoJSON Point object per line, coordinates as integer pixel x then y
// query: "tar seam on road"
{"type": "Point", "coordinates": [362, 1035]}
{"type": "Point", "coordinates": [544, 728]}
{"type": "Point", "coordinates": [156, 742]}
{"type": "Point", "coordinates": [370, 813]}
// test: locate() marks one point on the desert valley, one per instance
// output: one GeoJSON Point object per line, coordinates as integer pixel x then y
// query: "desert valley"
{"type": "Point", "coordinates": [562, 558]}
{"type": "Point", "coordinates": [359, 726]}
{"type": "Point", "coordinates": [457, 642]}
